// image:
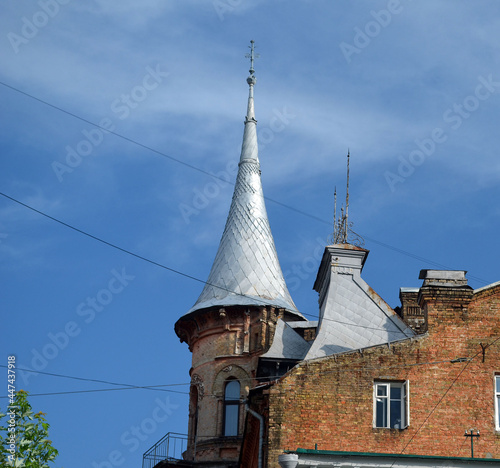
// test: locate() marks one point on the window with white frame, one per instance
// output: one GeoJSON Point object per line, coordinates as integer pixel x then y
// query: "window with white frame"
{"type": "Point", "coordinates": [390, 405]}
{"type": "Point", "coordinates": [497, 402]}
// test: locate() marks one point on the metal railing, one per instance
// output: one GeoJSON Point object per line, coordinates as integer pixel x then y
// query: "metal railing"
{"type": "Point", "coordinates": [170, 447]}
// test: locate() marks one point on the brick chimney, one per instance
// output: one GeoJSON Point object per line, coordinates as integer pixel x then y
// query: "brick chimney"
{"type": "Point", "coordinates": [444, 298]}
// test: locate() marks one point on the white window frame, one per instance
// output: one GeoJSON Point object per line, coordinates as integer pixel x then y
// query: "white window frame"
{"type": "Point", "coordinates": [381, 394]}
{"type": "Point", "coordinates": [496, 389]}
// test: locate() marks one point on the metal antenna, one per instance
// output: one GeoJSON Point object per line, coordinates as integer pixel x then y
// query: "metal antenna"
{"type": "Point", "coordinates": [335, 214]}
{"type": "Point", "coordinates": [347, 194]}
{"type": "Point", "coordinates": [342, 229]}
{"type": "Point", "coordinates": [252, 56]}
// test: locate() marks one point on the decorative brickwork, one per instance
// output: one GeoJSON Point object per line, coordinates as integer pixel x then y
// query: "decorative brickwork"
{"type": "Point", "coordinates": [226, 343]}
{"type": "Point", "coordinates": [410, 311]}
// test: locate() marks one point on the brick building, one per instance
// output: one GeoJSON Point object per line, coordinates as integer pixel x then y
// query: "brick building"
{"type": "Point", "coordinates": [233, 321]}
{"type": "Point", "coordinates": [413, 396]}
{"type": "Point", "coordinates": [269, 387]}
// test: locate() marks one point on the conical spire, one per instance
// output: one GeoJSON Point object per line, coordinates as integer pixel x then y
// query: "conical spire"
{"type": "Point", "coordinates": [246, 270]}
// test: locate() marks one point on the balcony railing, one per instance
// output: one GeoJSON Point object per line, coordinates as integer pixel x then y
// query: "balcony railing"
{"type": "Point", "coordinates": [169, 447]}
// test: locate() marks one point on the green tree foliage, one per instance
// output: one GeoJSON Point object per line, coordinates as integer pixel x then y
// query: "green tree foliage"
{"type": "Point", "coordinates": [24, 436]}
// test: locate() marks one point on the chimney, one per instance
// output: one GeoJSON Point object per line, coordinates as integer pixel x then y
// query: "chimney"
{"type": "Point", "coordinates": [444, 278]}
{"type": "Point", "coordinates": [444, 297]}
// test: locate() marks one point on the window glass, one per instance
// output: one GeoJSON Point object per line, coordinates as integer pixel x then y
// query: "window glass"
{"type": "Point", "coordinates": [381, 412]}
{"type": "Point", "coordinates": [231, 421]}
{"type": "Point", "coordinates": [233, 390]}
{"type": "Point", "coordinates": [231, 408]}
{"type": "Point", "coordinates": [391, 405]}
{"type": "Point", "coordinates": [396, 414]}
{"type": "Point", "coordinates": [395, 393]}
{"type": "Point", "coordinates": [498, 412]}
{"type": "Point", "coordinates": [497, 402]}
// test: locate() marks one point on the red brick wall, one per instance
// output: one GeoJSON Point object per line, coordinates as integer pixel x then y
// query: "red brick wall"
{"type": "Point", "coordinates": [329, 401]}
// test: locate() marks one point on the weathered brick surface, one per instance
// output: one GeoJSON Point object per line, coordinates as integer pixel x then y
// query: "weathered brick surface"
{"type": "Point", "coordinates": [329, 401]}
{"type": "Point", "coordinates": [226, 344]}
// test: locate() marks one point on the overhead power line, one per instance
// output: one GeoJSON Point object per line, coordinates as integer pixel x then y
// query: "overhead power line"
{"type": "Point", "coordinates": [339, 367]}
{"type": "Point", "coordinates": [153, 150]}
{"type": "Point", "coordinates": [193, 167]}
{"type": "Point", "coordinates": [71, 377]}
{"type": "Point", "coordinates": [70, 392]}
{"type": "Point", "coordinates": [173, 270]}
{"type": "Point", "coordinates": [469, 360]}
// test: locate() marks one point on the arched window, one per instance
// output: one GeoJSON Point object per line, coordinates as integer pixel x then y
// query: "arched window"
{"type": "Point", "coordinates": [231, 408]}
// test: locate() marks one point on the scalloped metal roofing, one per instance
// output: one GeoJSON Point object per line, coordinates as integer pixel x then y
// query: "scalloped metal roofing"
{"type": "Point", "coordinates": [246, 270]}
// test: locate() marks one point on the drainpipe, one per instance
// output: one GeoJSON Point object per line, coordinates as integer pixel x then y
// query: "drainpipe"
{"type": "Point", "coordinates": [261, 431]}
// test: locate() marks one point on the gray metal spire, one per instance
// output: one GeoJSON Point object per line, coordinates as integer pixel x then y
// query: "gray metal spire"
{"type": "Point", "coordinates": [246, 270]}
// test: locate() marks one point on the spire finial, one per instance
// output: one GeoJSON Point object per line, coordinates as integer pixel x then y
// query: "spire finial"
{"type": "Point", "coordinates": [347, 192]}
{"type": "Point", "coordinates": [252, 56]}
{"type": "Point", "coordinates": [251, 80]}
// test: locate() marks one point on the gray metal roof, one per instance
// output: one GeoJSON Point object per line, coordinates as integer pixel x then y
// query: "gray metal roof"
{"type": "Point", "coordinates": [246, 270]}
{"type": "Point", "coordinates": [352, 315]}
{"type": "Point", "coordinates": [287, 343]}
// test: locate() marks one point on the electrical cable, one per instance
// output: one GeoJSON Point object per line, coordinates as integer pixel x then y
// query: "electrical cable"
{"type": "Point", "coordinates": [149, 148]}
{"type": "Point", "coordinates": [127, 386]}
{"type": "Point", "coordinates": [444, 395]}
{"type": "Point", "coordinates": [93, 380]}
{"type": "Point", "coordinates": [173, 270]}
{"type": "Point", "coordinates": [197, 279]}
{"type": "Point", "coordinates": [144, 146]}
{"type": "Point", "coordinates": [461, 447]}
{"type": "Point", "coordinates": [266, 379]}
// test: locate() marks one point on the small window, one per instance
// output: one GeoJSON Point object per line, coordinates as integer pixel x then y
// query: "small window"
{"type": "Point", "coordinates": [231, 408]}
{"type": "Point", "coordinates": [390, 405]}
{"type": "Point", "coordinates": [497, 402]}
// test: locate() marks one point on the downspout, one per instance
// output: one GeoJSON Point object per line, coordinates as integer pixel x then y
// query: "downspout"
{"type": "Point", "coordinates": [196, 431]}
{"type": "Point", "coordinates": [261, 431]}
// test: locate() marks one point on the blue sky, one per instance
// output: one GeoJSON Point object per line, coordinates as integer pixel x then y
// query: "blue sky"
{"type": "Point", "coordinates": [411, 88]}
